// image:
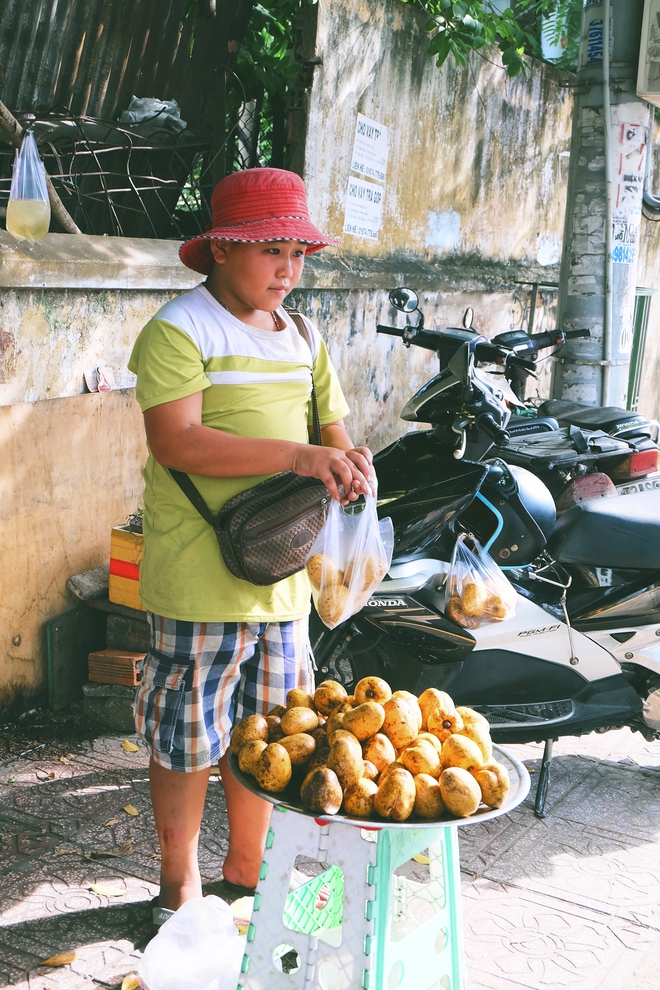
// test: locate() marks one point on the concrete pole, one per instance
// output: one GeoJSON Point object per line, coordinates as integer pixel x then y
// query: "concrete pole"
{"type": "Point", "coordinates": [604, 207]}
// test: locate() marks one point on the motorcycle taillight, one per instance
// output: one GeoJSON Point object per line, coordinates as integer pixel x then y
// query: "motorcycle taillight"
{"type": "Point", "coordinates": [638, 465]}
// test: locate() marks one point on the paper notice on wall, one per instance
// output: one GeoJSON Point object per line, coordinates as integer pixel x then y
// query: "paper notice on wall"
{"type": "Point", "coordinates": [370, 148]}
{"type": "Point", "coordinates": [629, 161]}
{"type": "Point", "coordinates": [364, 209]}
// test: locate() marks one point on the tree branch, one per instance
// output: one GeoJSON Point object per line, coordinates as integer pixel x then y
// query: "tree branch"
{"type": "Point", "coordinates": [15, 132]}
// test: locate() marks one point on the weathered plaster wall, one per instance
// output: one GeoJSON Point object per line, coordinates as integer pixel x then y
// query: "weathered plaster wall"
{"type": "Point", "coordinates": [70, 471]}
{"type": "Point", "coordinates": [648, 276]}
{"type": "Point", "coordinates": [477, 161]}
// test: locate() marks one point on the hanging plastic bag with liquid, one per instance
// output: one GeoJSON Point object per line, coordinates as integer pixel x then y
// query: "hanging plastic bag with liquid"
{"type": "Point", "coordinates": [28, 209]}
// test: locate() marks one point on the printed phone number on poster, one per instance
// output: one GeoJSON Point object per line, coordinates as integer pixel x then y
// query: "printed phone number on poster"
{"type": "Point", "coordinates": [352, 228]}
{"type": "Point", "coordinates": [623, 255]}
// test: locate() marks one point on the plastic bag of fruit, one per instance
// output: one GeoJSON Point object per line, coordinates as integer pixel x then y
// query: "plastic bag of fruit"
{"type": "Point", "coordinates": [349, 558]}
{"type": "Point", "coordinates": [476, 589]}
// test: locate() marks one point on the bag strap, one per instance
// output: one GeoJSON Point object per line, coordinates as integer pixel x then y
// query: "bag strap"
{"type": "Point", "coordinates": [184, 481]}
{"type": "Point", "coordinates": [304, 333]}
{"type": "Point", "coordinates": [188, 488]}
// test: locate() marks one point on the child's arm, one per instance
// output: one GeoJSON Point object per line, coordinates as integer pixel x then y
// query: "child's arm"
{"type": "Point", "coordinates": [177, 439]}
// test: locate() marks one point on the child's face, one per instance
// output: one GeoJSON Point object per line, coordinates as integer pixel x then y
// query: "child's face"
{"type": "Point", "coordinates": [258, 275]}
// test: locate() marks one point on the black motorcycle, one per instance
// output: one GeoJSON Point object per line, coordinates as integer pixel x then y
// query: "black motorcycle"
{"type": "Point", "coordinates": [577, 656]}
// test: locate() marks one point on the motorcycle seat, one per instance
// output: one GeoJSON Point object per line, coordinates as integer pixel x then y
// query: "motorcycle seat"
{"type": "Point", "coordinates": [612, 532]}
{"type": "Point", "coordinates": [611, 419]}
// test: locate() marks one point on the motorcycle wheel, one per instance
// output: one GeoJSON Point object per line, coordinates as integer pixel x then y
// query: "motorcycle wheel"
{"type": "Point", "coordinates": [648, 685]}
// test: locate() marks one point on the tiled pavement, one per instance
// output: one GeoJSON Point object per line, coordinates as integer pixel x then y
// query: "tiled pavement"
{"type": "Point", "coordinates": [571, 901]}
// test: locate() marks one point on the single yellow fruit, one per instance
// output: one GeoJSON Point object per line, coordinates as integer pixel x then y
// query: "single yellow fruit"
{"type": "Point", "coordinates": [370, 771]}
{"type": "Point", "coordinates": [444, 724]}
{"type": "Point", "coordinates": [460, 791]}
{"type": "Point", "coordinates": [435, 742]}
{"type": "Point", "coordinates": [428, 797]}
{"type": "Point", "coordinates": [459, 751]}
{"type": "Point", "coordinates": [479, 734]}
{"type": "Point", "coordinates": [342, 759]}
{"type": "Point", "coordinates": [321, 791]}
{"type": "Point", "coordinates": [273, 772]}
{"type": "Point", "coordinates": [400, 724]}
{"type": "Point", "coordinates": [299, 719]}
{"type": "Point", "coordinates": [322, 569]}
{"type": "Point", "coordinates": [329, 695]}
{"type": "Point", "coordinates": [333, 600]}
{"type": "Point", "coordinates": [300, 748]}
{"type": "Point", "coordinates": [372, 689]}
{"type": "Point", "coordinates": [296, 698]}
{"type": "Point", "coordinates": [252, 727]}
{"type": "Point", "coordinates": [395, 797]}
{"type": "Point", "coordinates": [250, 755]}
{"type": "Point", "coordinates": [421, 757]}
{"type": "Point", "coordinates": [365, 720]}
{"type": "Point", "coordinates": [379, 751]}
{"type": "Point", "coordinates": [434, 702]}
{"type": "Point", "coordinates": [359, 798]}
{"type": "Point", "coordinates": [274, 728]}
{"type": "Point", "coordinates": [414, 705]}
{"type": "Point", "coordinates": [493, 780]}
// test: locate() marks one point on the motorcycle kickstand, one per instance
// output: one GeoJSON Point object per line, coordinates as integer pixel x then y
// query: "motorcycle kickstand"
{"type": "Point", "coordinates": [544, 778]}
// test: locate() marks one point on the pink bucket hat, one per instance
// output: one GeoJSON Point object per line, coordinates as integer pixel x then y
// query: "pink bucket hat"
{"type": "Point", "coordinates": [257, 204]}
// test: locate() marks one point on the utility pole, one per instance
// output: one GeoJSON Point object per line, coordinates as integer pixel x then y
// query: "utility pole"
{"type": "Point", "coordinates": [604, 207]}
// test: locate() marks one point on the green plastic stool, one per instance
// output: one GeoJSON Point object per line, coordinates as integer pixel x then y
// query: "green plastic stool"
{"type": "Point", "coordinates": [358, 925]}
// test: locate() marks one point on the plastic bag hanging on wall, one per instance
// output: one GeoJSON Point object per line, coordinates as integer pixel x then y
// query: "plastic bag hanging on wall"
{"type": "Point", "coordinates": [28, 209]}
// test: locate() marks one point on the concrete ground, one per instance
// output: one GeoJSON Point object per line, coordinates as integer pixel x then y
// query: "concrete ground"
{"type": "Point", "coordinates": [570, 901]}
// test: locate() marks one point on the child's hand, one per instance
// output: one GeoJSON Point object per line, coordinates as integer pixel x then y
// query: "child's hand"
{"type": "Point", "coordinates": [334, 467]}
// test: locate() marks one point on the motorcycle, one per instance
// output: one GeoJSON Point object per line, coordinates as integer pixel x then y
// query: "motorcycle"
{"type": "Point", "coordinates": [580, 451]}
{"type": "Point", "coordinates": [582, 652]}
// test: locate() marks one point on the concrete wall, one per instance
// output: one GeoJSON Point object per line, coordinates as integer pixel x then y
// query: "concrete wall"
{"type": "Point", "coordinates": [473, 214]}
{"type": "Point", "coordinates": [648, 276]}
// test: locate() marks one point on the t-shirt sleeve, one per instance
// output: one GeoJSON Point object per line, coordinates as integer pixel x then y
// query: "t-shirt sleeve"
{"type": "Point", "coordinates": [168, 365]}
{"type": "Point", "coordinates": [329, 396]}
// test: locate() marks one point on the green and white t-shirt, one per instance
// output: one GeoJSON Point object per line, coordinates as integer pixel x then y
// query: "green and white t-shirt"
{"type": "Point", "coordinates": [256, 383]}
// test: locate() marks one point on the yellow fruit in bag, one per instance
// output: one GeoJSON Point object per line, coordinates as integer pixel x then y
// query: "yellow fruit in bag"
{"type": "Point", "coordinates": [332, 603]}
{"type": "Point", "coordinates": [365, 572]}
{"type": "Point", "coordinates": [474, 595]}
{"type": "Point", "coordinates": [319, 564]}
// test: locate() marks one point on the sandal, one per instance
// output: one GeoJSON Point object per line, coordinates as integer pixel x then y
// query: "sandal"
{"type": "Point", "coordinates": [159, 915]}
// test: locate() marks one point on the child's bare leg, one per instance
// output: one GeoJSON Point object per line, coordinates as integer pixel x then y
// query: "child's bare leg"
{"type": "Point", "coordinates": [249, 817]}
{"type": "Point", "coordinates": [178, 803]}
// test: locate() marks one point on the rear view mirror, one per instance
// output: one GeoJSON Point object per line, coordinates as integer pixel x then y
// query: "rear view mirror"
{"type": "Point", "coordinates": [468, 317]}
{"type": "Point", "coordinates": [405, 300]}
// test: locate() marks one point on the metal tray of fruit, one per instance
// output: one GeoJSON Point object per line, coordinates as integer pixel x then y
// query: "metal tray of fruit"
{"type": "Point", "coordinates": [290, 799]}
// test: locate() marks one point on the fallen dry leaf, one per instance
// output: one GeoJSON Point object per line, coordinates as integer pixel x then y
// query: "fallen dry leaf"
{"type": "Point", "coordinates": [421, 858]}
{"type": "Point", "coordinates": [63, 759]}
{"type": "Point", "coordinates": [124, 850]}
{"type": "Point", "coordinates": [131, 810]}
{"type": "Point", "coordinates": [530, 769]}
{"type": "Point", "coordinates": [215, 771]}
{"type": "Point", "coordinates": [105, 890]}
{"type": "Point", "coordinates": [61, 959]}
{"type": "Point", "coordinates": [129, 746]}
{"type": "Point", "coordinates": [65, 851]}
{"type": "Point", "coordinates": [111, 821]}
{"type": "Point", "coordinates": [130, 982]}
{"type": "Point", "coordinates": [42, 775]}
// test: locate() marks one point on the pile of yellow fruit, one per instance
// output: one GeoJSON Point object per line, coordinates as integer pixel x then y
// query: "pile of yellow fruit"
{"type": "Point", "coordinates": [374, 753]}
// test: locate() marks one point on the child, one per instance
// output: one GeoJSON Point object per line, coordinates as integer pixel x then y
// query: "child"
{"type": "Point", "coordinates": [224, 381]}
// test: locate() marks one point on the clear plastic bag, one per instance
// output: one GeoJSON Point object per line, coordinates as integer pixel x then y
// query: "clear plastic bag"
{"type": "Point", "coordinates": [28, 209]}
{"type": "Point", "coordinates": [476, 590]}
{"type": "Point", "coordinates": [349, 558]}
{"type": "Point", "coordinates": [198, 948]}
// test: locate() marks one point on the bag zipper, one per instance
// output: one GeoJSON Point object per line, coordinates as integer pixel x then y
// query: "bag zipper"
{"type": "Point", "coordinates": [272, 529]}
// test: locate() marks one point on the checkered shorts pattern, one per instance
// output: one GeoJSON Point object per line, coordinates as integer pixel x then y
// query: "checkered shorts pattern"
{"type": "Point", "coordinates": [200, 678]}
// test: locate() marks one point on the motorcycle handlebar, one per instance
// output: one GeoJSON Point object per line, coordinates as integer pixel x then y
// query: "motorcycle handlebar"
{"type": "Point", "coordinates": [392, 331]}
{"type": "Point", "coordinates": [486, 423]}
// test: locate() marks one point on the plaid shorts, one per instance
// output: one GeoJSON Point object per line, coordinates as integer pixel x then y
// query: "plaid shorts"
{"type": "Point", "coordinates": [200, 678]}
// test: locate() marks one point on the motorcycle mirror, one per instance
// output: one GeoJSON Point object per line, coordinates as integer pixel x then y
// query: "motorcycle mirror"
{"type": "Point", "coordinates": [468, 317]}
{"type": "Point", "coordinates": [405, 300]}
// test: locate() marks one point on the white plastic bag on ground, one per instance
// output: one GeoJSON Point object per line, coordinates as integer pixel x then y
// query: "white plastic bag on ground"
{"type": "Point", "coordinates": [198, 948]}
{"type": "Point", "coordinates": [349, 558]}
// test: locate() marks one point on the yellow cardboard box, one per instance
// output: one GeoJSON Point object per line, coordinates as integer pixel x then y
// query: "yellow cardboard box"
{"type": "Point", "coordinates": [125, 556]}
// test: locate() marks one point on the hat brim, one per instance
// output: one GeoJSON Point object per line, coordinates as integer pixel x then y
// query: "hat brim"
{"type": "Point", "coordinates": [196, 253]}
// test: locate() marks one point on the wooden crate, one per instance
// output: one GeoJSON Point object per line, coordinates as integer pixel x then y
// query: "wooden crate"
{"type": "Point", "coordinates": [125, 556]}
{"type": "Point", "coordinates": [115, 667]}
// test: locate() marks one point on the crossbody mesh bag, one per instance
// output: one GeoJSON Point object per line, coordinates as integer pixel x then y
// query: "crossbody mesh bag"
{"type": "Point", "coordinates": [266, 532]}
